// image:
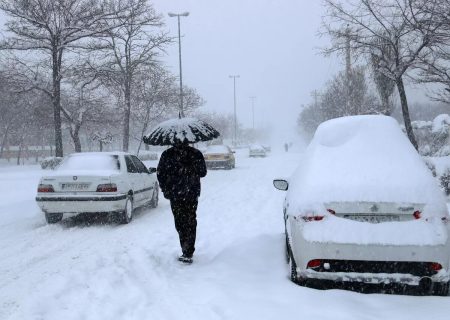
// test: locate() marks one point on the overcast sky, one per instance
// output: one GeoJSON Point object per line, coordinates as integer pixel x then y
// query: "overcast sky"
{"type": "Point", "coordinates": [271, 44]}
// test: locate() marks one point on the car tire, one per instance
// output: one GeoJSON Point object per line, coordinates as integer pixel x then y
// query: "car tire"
{"type": "Point", "coordinates": [53, 217]}
{"type": "Point", "coordinates": [155, 197]}
{"type": "Point", "coordinates": [292, 266]}
{"type": "Point", "coordinates": [441, 289]}
{"type": "Point", "coordinates": [127, 214]}
{"type": "Point", "coordinates": [286, 248]}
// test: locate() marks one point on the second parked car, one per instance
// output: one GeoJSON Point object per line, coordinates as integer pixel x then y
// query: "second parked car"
{"type": "Point", "coordinates": [219, 156]}
{"type": "Point", "coordinates": [115, 182]}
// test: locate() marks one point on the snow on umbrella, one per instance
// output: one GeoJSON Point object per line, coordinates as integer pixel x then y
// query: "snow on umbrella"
{"type": "Point", "coordinates": [180, 130]}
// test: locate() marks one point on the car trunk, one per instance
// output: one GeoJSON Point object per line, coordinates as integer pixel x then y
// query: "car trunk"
{"type": "Point", "coordinates": [76, 182]}
{"type": "Point", "coordinates": [376, 212]}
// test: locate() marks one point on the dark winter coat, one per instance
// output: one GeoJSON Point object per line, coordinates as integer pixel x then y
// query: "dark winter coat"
{"type": "Point", "coordinates": [179, 171]}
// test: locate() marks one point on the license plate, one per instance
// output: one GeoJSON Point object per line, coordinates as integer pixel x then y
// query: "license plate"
{"type": "Point", "coordinates": [74, 186]}
{"type": "Point", "coordinates": [373, 219]}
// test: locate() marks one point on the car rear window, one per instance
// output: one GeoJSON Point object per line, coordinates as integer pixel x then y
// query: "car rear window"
{"type": "Point", "coordinates": [90, 162]}
{"type": "Point", "coordinates": [217, 149]}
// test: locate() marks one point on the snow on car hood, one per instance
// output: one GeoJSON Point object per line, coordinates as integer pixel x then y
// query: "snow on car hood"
{"type": "Point", "coordinates": [362, 158]}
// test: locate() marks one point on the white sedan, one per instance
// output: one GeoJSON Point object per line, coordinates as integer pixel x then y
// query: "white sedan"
{"type": "Point", "coordinates": [363, 211]}
{"type": "Point", "coordinates": [91, 182]}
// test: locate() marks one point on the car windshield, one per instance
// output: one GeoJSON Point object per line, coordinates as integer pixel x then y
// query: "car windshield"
{"type": "Point", "coordinates": [90, 162]}
{"type": "Point", "coordinates": [217, 149]}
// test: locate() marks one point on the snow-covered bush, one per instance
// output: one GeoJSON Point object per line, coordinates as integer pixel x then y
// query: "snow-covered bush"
{"type": "Point", "coordinates": [433, 136]}
{"type": "Point", "coordinates": [445, 182]}
{"type": "Point", "coordinates": [50, 162]}
{"type": "Point", "coordinates": [431, 166]}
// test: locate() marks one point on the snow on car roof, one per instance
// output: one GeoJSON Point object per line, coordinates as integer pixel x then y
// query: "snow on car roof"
{"type": "Point", "coordinates": [100, 163]}
{"type": "Point", "coordinates": [217, 149]}
{"type": "Point", "coordinates": [363, 158]}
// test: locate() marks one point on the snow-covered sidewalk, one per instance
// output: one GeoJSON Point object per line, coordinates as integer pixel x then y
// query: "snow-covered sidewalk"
{"type": "Point", "coordinates": [82, 269]}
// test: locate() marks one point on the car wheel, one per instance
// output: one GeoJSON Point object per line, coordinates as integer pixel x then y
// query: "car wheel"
{"type": "Point", "coordinates": [441, 289]}
{"type": "Point", "coordinates": [286, 248]}
{"type": "Point", "coordinates": [292, 270]}
{"type": "Point", "coordinates": [53, 217]}
{"type": "Point", "coordinates": [127, 213]}
{"type": "Point", "coordinates": [292, 265]}
{"type": "Point", "coordinates": [155, 196]}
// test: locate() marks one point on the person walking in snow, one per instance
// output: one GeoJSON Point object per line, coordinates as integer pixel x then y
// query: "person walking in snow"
{"type": "Point", "coordinates": [179, 171]}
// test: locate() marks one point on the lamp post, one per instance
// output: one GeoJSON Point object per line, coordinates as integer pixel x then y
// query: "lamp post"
{"type": "Point", "coordinates": [253, 111]}
{"type": "Point", "coordinates": [178, 15]}
{"type": "Point", "coordinates": [235, 117]}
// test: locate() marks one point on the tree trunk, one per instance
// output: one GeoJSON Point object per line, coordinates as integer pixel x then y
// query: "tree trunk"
{"type": "Point", "coordinates": [75, 134]}
{"type": "Point", "coordinates": [101, 145]}
{"type": "Point", "coordinates": [4, 140]}
{"type": "Point", "coordinates": [405, 112]}
{"type": "Point", "coordinates": [56, 99]}
{"type": "Point", "coordinates": [385, 104]}
{"type": "Point", "coordinates": [19, 152]}
{"type": "Point", "coordinates": [126, 117]}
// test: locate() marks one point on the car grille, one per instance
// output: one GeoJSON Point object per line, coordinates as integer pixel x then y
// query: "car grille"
{"type": "Point", "coordinates": [361, 266]}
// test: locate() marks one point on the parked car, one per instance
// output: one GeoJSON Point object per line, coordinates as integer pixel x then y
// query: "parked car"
{"type": "Point", "coordinates": [115, 182]}
{"type": "Point", "coordinates": [219, 156]}
{"type": "Point", "coordinates": [363, 211]}
{"type": "Point", "coordinates": [256, 150]}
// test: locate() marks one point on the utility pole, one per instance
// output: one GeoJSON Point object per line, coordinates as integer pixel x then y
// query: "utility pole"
{"type": "Point", "coordinates": [235, 117]}
{"type": "Point", "coordinates": [253, 111]}
{"type": "Point", "coordinates": [178, 15]}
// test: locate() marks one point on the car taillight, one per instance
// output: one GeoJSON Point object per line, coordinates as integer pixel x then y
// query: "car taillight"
{"type": "Point", "coordinates": [312, 218]}
{"type": "Point", "coordinates": [417, 214]}
{"type": "Point", "coordinates": [435, 266]}
{"type": "Point", "coordinates": [45, 188]}
{"type": "Point", "coordinates": [107, 187]}
{"type": "Point", "coordinates": [314, 263]}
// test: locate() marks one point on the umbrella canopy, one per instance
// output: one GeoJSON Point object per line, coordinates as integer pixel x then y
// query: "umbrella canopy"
{"type": "Point", "coordinates": [180, 130]}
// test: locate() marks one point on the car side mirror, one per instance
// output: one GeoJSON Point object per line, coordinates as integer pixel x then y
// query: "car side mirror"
{"type": "Point", "coordinates": [151, 170]}
{"type": "Point", "coordinates": [281, 184]}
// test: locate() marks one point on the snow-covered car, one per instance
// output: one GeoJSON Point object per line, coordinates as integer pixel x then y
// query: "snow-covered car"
{"type": "Point", "coordinates": [219, 156]}
{"type": "Point", "coordinates": [91, 182]}
{"type": "Point", "coordinates": [363, 209]}
{"type": "Point", "coordinates": [256, 150]}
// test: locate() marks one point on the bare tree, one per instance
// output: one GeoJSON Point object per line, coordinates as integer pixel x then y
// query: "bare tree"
{"type": "Point", "coordinates": [53, 27]}
{"type": "Point", "coordinates": [83, 103]}
{"type": "Point", "coordinates": [337, 101]}
{"type": "Point", "coordinates": [153, 99]}
{"type": "Point", "coordinates": [407, 27]}
{"type": "Point", "coordinates": [129, 49]}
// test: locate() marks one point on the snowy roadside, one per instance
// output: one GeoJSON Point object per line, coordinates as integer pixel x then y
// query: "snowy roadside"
{"type": "Point", "coordinates": [82, 270]}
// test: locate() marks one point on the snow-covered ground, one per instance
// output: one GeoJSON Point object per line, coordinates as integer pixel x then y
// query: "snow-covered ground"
{"type": "Point", "coordinates": [93, 269]}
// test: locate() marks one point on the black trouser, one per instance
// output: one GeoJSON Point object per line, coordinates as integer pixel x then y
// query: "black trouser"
{"type": "Point", "coordinates": [185, 215]}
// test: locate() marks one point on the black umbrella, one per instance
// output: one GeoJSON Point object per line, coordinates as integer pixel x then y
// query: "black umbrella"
{"type": "Point", "coordinates": [181, 130]}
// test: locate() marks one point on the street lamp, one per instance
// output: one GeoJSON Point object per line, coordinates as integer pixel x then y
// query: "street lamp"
{"type": "Point", "coordinates": [253, 111]}
{"type": "Point", "coordinates": [178, 15]}
{"type": "Point", "coordinates": [235, 118]}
